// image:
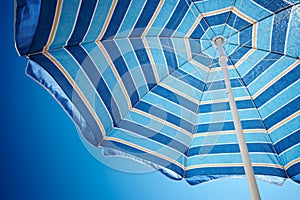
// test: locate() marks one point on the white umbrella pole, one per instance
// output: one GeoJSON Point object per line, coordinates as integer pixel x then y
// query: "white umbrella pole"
{"type": "Point", "coordinates": [219, 42]}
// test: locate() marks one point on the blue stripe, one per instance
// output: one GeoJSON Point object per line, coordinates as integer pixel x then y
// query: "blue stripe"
{"type": "Point", "coordinates": [287, 142]}
{"type": "Point", "coordinates": [278, 86]}
{"type": "Point", "coordinates": [71, 94]}
{"type": "Point", "coordinates": [217, 85]}
{"type": "Point", "coordinates": [167, 94]}
{"type": "Point", "coordinates": [97, 80]}
{"type": "Point", "coordinates": [142, 154]}
{"type": "Point", "coordinates": [215, 63]}
{"type": "Point", "coordinates": [263, 65]}
{"type": "Point", "coordinates": [204, 60]}
{"type": "Point", "coordinates": [280, 25]}
{"type": "Point", "coordinates": [217, 19]}
{"type": "Point", "coordinates": [46, 17]}
{"type": "Point", "coordinates": [195, 47]}
{"type": "Point", "coordinates": [83, 21]}
{"type": "Point", "coordinates": [197, 33]}
{"type": "Point", "coordinates": [246, 37]}
{"type": "Point", "coordinates": [242, 104]}
{"type": "Point", "coordinates": [176, 18]}
{"type": "Point", "coordinates": [153, 135]}
{"type": "Point", "coordinates": [26, 22]}
{"type": "Point", "coordinates": [169, 53]}
{"type": "Point", "coordinates": [294, 171]}
{"type": "Point", "coordinates": [155, 111]}
{"type": "Point", "coordinates": [144, 61]}
{"type": "Point", "coordinates": [119, 63]}
{"type": "Point", "coordinates": [226, 126]}
{"type": "Point", "coordinates": [236, 22]}
{"type": "Point", "coordinates": [272, 6]}
{"type": "Point", "coordinates": [117, 18]}
{"type": "Point", "coordinates": [211, 171]}
{"type": "Point", "coordinates": [238, 53]}
{"type": "Point", "coordinates": [231, 148]}
{"type": "Point", "coordinates": [199, 30]}
{"type": "Point", "coordinates": [191, 80]}
{"type": "Point", "coordinates": [283, 113]}
{"type": "Point", "coordinates": [144, 18]}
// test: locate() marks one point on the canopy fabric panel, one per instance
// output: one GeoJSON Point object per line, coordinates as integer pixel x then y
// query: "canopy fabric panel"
{"type": "Point", "coordinates": [142, 78]}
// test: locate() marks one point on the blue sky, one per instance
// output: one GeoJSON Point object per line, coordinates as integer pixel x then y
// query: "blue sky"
{"type": "Point", "coordinates": [42, 156]}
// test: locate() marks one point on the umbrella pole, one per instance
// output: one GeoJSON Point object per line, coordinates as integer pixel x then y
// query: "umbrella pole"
{"type": "Point", "coordinates": [219, 42]}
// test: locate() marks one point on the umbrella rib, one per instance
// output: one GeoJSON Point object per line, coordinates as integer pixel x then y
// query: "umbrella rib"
{"type": "Point", "coordinates": [274, 13]}
{"type": "Point", "coordinates": [110, 39]}
{"type": "Point", "coordinates": [274, 52]}
{"type": "Point", "coordinates": [179, 50]}
{"type": "Point", "coordinates": [197, 110]}
{"type": "Point", "coordinates": [166, 77]}
{"type": "Point", "coordinates": [229, 16]}
{"type": "Point", "coordinates": [234, 22]}
{"type": "Point", "coordinates": [263, 123]}
{"type": "Point", "coordinates": [34, 53]}
{"type": "Point", "coordinates": [264, 30]}
{"type": "Point", "coordinates": [188, 60]}
{"type": "Point", "coordinates": [201, 14]}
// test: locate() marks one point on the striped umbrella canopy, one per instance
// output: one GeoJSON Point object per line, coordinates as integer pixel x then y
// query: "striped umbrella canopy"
{"type": "Point", "coordinates": [142, 79]}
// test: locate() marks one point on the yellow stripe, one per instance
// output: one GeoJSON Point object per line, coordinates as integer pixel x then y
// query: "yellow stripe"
{"type": "Point", "coordinates": [243, 16]}
{"type": "Point", "coordinates": [108, 18]}
{"type": "Point", "coordinates": [163, 121]}
{"type": "Point", "coordinates": [199, 65]}
{"type": "Point", "coordinates": [196, 23]}
{"type": "Point", "coordinates": [254, 35]}
{"type": "Point", "coordinates": [234, 10]}
{"type": "Point", "coordinates": [72, 82]}
{"type": "Point", "coordinates": [146, 150]}
{"type": "Point", "coordinates": [291, 163]}
{"type": "Point", "coordinates": [296, 114]}
{"type": "Point", "coordinates": [233, 165]}
{"type": "Point", "coordinates": [110, 62]}
{"type": "Point", "coordinates": [54, 25]}
{"type": "Point", "coordinates": [216, 12]}
{"type": "Point", "coordinates": [276, 79]}
{"type": "Point", "coordinates": [153, 66]}
{"type": "Point", "coordinates": [187, 47]}
{"type": "Point", "coordinates": [153, 18]}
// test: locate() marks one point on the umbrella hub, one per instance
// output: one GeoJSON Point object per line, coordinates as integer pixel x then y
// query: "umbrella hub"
{"type": "Point", "coordinates": [218, 41]}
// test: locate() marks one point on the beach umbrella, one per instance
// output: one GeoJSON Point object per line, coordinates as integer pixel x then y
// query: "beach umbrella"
{"type": "Point", "coordinates": [198, 90]}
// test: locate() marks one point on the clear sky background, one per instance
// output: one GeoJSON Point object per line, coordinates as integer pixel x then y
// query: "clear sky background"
{"type": "Point", "coordinates": [42, 157]}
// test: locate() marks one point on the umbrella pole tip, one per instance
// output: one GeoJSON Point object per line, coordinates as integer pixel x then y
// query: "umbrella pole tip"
{"type": "Point", "coordinates": [218, 41]}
